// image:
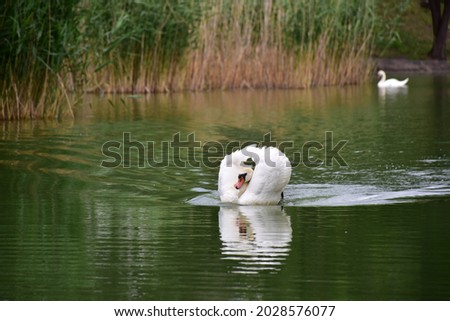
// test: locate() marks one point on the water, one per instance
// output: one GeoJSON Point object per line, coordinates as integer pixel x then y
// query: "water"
{"type": "Point", "coordinates": [376, 228]}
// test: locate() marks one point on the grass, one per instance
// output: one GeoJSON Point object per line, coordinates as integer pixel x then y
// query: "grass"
{"type": "Point", "coordinates": [54, 48]}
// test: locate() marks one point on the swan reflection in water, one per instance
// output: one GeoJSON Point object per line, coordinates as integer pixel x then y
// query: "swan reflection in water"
{"type": "Point", "coordinates": [391, 94]}
{"type": "Point", "coordinates": [258, 237]}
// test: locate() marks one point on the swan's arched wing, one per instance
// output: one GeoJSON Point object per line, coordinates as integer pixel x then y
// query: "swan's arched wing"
{"type": "Point", "coordinates": [270, 177]}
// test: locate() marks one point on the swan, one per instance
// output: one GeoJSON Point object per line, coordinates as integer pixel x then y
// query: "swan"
{"type": "Point", "coordinates": [240, 183]}
{"type": "Point", "coordinates": [383, 83]}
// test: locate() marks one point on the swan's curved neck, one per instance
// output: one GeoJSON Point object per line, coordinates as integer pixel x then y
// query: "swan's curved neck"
{"type": "Point", "coordinates": [383, 76]}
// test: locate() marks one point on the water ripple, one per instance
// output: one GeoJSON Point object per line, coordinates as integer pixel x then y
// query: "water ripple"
{"type": "Point", "coordinates": [341, 195]}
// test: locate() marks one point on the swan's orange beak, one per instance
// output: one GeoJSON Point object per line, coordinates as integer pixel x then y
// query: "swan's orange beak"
{"type": "Point", "coordinates": [241, 181]}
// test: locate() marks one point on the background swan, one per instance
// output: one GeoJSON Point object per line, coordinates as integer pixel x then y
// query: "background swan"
{"type": "Point", "coordinates": [383, 83]}
{"type": "Point", "coordinates": [240, 183]}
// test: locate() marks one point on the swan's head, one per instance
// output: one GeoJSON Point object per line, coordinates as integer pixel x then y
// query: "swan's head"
{"type": "Point", "coordinates": [381, 73]}
{"type": "Point", "coordinates": [244, 177]}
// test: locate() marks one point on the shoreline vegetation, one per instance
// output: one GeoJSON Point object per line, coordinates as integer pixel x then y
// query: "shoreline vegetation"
{"type": "Point", "coordinates": [54, 50]}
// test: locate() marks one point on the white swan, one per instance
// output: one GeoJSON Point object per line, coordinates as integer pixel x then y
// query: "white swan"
{"type": "Point", "coordinates": [239, 183]}
{"type": "Point", "coordinates": [383, 83]}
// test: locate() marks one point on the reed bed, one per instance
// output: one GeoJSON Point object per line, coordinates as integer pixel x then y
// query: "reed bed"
{"type": "Point", "coordinates": [53, 48]}
{"type": "Point", "coordinates": [32, 56]}
{"type": "Point", "coordinates": [281, 44]}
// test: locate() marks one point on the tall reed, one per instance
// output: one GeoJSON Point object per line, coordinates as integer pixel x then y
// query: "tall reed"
{"type": "Point", "coordinates": [240, 44]}
{"type": "Point", "coordinates": [136, 46]}
{"type": "Point", "coordinates": [50, 48]}
{"type": "Point", "coordinates": [32, 56]}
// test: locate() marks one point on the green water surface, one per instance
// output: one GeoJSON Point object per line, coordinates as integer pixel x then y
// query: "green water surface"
{"type": "Point", "coordinates": [374, 228]}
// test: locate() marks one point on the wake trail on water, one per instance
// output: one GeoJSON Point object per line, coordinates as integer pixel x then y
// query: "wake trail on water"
{"type": "Point", "coordinates": [298, 195]}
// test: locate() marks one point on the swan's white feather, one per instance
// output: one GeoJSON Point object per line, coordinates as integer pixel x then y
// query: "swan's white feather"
{"type": "Point", "coordinates": [271, 175]}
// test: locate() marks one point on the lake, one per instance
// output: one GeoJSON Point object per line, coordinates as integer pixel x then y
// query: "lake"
{"type": "Point", "coordinates": [120, 203]}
